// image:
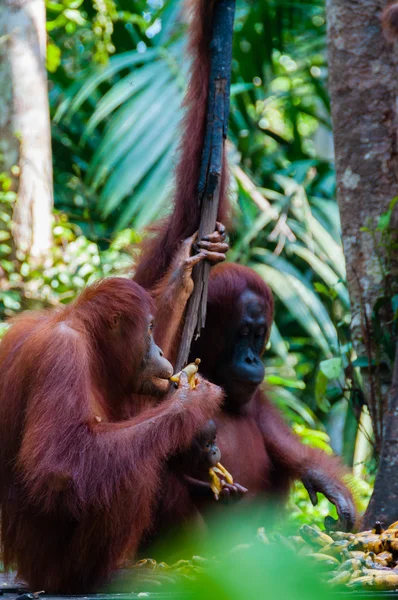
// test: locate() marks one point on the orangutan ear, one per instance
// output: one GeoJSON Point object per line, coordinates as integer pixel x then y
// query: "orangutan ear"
{"type": "Point", "coordinates": [114, 320]}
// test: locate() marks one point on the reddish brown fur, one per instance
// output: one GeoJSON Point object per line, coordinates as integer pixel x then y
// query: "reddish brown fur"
{"type": "Point", "coordinates": [257, 446]}
{"type": "Point", "coordinates": [275, 456]}
{"type": "Point", "coordinates": [184, 221]}
{"type": "Point", "coordinates": [77, 494]}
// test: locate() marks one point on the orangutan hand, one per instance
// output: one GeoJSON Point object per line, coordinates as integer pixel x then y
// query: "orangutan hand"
{"type": "Point", "coordinates": [212, 248]}
{"type": "Point", "coordinates": [336, 492]}
{"type": "Point", "coordinates": [232, 492]}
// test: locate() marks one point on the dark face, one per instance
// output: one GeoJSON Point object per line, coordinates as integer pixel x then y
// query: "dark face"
{"type": "Point", "coordinates": [241, 370]}
{"type": "Point", "coordinates": [205, 447]}
{"type": "Point", "coordinates": [202, 454]}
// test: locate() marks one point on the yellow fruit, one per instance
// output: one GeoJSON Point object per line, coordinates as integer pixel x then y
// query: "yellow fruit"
{"type": "Point", "coordinates": [325, 560]}
{"type": "Point", "coordinates": [336, 548]}
{"type": "Point", "coordinates": [384, 558]}
{"type": "Point", "coordinates": [352, 564]}
{"type": "Point", "coordinates": [367, 543]}
{"type": "Point", "coordinates": [216, 483]}
{"type": "Point", "coordinates": [384, 581]}
{"type": "Point", "coordinates": [223, 471]}
{"type": "Point", "coordinates": [341, 535]}
{"type": "Point", "coordinates": [314, 537]}
{"type": "Point", "coordinates": [340, 578]}
{"type": "Point", "coordinates": [391, 545]}
{"type": "Point", "coordinates": [357, 554]}
{"type": "Point", "coordinates": [190, 371]}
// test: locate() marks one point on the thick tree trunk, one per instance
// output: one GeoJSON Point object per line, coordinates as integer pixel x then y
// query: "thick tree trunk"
{"type": "Point", "coordinates": [383, 504]}
{"type": "Point", "coordinates": [25, 137]}
{"type": "Point", "coordinates": [363, 86]}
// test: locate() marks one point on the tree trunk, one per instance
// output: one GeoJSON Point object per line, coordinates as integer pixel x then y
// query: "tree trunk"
{"type": "Point", "coordinates": [25, 136]}
{"type": "Point", "coordinates": [363, 87]}
{"type": "Point", "coordinates": [383, 504]}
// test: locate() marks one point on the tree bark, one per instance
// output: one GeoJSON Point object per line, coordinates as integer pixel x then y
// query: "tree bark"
{"type": "Point", "coordinates": [363, 87]}
{"type": "Point", "coordinates": [25, 136]}
{"type": "Point", "coordinates": [383, 505]}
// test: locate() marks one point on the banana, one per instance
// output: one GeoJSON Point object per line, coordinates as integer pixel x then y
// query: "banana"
{"type": "Point", "coordinates": [390, 546]}
{"type": "Point", "coordinates": [298, 542]}
{"type": "Point", "coordinates": [384, 558]}
{"type": "Point", "coordinates": [367, 543]}
{"type": "Point", "coordinates": [216, 483]}
{"type": "Point", "coordinates": [146, 563]}
{"type": "Point", "coordinates": [190, 371]}
{"type": "Point", "coordinates": [384, 581]}
{"type": "Point", "coordinates": [314, 537]}
{"type": "Point", "coordinates": [325, 560]}
{"type": "Point", "coordinates": [340, 578]}
{"type": "Point", "coordinates": [352, 564]}
{"type": "Point", "coordinates": [341, 535]}
{"type": "Point", "coordinates": [336, 548]}
{"type": "Point", "coordinates": [223, 471]}
{"type": "Point", "coordinates": [356, 554]}
{"type": "Point", "coordinates": [393, 526]}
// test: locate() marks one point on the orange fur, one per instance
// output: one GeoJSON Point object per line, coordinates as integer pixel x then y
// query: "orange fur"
{"type": "Point", "coordinates": [158, 250]}
{"type": "Point", "coordinates": [77, 494]}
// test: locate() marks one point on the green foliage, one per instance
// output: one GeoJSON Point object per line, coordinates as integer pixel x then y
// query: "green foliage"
{"type": "Point", "coordinates": [75, 262]}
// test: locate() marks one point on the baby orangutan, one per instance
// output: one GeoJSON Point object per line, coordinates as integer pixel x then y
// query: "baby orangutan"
{"type": "Point", "coordinates": [202, 470]}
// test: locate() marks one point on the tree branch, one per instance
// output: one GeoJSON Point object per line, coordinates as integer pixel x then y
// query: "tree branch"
{"type": "Point", "coordinates": [211, 166]}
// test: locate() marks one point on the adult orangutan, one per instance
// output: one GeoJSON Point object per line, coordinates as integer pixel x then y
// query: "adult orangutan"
{"type": "Point", "coordinates": [78, 479]}
{"type": "Point", "coordinates": [256, 445]}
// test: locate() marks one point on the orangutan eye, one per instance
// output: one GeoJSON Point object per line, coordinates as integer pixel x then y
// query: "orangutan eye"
{"type": "Point", "coordinates": [245, 332]}
{"type": "Point", "coordinates": [151, 326]}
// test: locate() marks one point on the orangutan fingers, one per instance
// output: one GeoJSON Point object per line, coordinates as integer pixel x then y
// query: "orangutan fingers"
{"type": "Point", "coordinates": [214, 237]}
{"type": "Point", "coordinates": [241, 490]}
{"type": "Point", "coordinates": [220, 228]}
{"type": "Point", "coordinates": [188, 244]}
{"type": "Point", "coordinates": [194, 260]}
{"type": "Point", "coordinates": [218, 235]}
{"type": "Point", "coordinates": [213, 246]}
{"type": "Point", "coordinates": [346, 512]}
{"type": "Point", "coordinates": [311, 491]}
{"type": "Point", "coordinates": [213, 257]}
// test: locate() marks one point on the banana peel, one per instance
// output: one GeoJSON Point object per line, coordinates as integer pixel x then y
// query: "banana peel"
{"type": "Point", "coordinates": [216, 483]}
{"type": "Point", "coordinates": [315, 537]}
{"type": "Point", "coordinates": [190, 371]}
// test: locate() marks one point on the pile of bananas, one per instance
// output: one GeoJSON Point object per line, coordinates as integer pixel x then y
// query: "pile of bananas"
{"type": "Point", "coordinates": [365, 560]}
{"type": "Point", "coordinates": [150, 574]}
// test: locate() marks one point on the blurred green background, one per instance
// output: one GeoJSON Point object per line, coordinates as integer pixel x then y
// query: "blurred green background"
{"type": "Point", "coordinates": [117, 74]}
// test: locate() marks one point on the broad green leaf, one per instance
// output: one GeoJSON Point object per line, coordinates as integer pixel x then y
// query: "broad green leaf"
{"type": "Point", "coordinates": [79, 93]}
{"type": "Point", "coordinates": [123, 90]}
{"type": "Point", "coordinates": [332, 367]}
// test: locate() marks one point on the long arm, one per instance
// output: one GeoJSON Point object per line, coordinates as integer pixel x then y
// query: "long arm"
{"type": "Point", "coordinates": [319, 471]}
{"type": "Point", "coordinates": [64, 450]}
{"type": "Point", "coordinates": [158, 251]}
